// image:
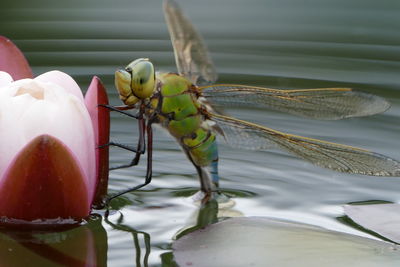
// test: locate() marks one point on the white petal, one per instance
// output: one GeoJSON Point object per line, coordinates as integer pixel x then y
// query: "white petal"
{"type": "Point", "coordinates": [5, 78]}
{"type": "Point", "coordinates": [63, 80]}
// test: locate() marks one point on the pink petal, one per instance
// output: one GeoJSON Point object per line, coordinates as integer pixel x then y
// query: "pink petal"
{"type": "Point", "coordinates": [44, 181]}
{"type": "Point", "coordinates": [62, 79]}
{"type": "Point", "coordinates": [96, 95]}
{"type": "Point", "coordinates": [13, 61]}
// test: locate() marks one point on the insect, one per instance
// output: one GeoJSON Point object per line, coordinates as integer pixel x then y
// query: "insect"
{"type": "Point", "coordinates": [183, 104]}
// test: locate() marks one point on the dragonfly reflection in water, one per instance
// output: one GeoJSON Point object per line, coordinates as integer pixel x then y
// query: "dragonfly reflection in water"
{"type": "Point", "coordinates": [183, 105]}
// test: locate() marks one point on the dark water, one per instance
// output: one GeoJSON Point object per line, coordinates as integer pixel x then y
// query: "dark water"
{"type": "Point", "coordinates": [280, 44]}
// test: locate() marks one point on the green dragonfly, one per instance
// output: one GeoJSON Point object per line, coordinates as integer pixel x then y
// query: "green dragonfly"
{"type": "Point", "coordinates": [183, 103]}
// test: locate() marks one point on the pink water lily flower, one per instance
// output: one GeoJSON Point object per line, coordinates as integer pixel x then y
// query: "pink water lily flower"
{"type": "Point", "coordinates": [50, 164]}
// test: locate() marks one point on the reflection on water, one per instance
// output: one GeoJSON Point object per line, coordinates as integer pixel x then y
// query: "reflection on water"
{"type": "Point", "coordinates": [84, 245]}
{"type": "Point", "coordinates": [200, 218]}
{"type": "Point", "coordinates": [281, 44]}
{"type": "Point", "coordinates": [137, 236]}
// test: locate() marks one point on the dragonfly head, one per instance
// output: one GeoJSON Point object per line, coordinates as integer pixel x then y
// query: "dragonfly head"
{"type": "Point", "coordinates": [136, 81]}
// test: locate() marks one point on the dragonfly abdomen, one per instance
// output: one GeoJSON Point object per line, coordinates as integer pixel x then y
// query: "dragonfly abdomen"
{"type": "Point", "coordinates": [201, 146]}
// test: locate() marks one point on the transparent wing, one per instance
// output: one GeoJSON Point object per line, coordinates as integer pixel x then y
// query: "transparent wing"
{"type": "Point", "coordinates": [325, 103]}
{"type": "Point", "coordinates": [325, 154]}
{"type": "Point", "coordinates": [191, 55]}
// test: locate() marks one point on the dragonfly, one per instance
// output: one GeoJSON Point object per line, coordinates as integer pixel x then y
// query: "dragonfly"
{"type": "Point", "coordinates": [184, 104]}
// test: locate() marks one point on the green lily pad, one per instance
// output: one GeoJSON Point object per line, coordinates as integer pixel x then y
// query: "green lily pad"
{"type": "Point", "coordinates": [383, 219]}
{"type": "Point", "coordinates": [263, 242]}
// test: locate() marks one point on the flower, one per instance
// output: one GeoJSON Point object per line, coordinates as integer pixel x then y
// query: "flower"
{"type": "Point", "coordinates": [49, 133]}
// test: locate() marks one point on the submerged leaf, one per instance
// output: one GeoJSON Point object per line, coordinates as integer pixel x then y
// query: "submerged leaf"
{"type": "Point", "coordinates": [383, 219]}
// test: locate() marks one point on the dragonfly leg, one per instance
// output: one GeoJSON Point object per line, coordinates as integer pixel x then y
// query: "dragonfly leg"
{"type": "Point", "coordinates": [140, 147]}
{"type": "Point", "coordinates": [127, 147]}
{"type": "Point", "coordinates": [149, 171]}
{"type": "Point", "coordinates": [121, 109]}
{"type": "Point", "coordinates": [209, 181]}
{"type": "Point", "coordinates": [206, 184]}
{"type": "Point", "coordinates": [204, 157]}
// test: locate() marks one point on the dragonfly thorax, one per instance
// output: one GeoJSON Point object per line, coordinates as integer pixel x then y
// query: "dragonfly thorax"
{"type": "Point", "coordinates": [135, 82]}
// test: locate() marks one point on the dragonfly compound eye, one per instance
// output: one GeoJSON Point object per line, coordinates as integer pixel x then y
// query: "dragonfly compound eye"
{"type": "Point", "coordinates": [143, 78]}
{"type": "Point", "coordinates": [123, 80]}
